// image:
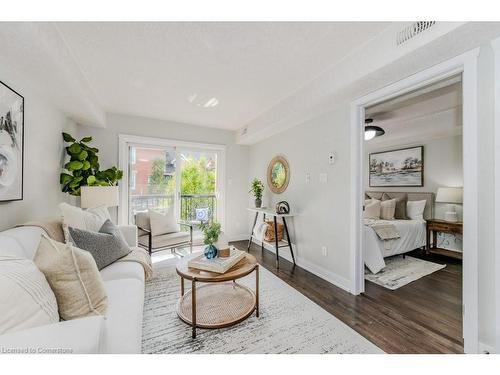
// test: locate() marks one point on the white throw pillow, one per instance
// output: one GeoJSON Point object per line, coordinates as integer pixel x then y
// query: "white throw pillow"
{"type": "Point", "coordinates": [91, 219]}
{"type": "Point", "coordinates": [162, 224]}
{"type": "Point", "coordinates": [372, 210]}
{"type": "Point", "coordinates": [415, 209]}
{"type": "Point", "coordinates": [26, 300]}
{"type": "Point", "coordinates": [388, 209]}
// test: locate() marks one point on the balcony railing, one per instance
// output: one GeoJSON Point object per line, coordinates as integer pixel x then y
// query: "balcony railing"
{"type": "Point", "coordinates": [190, 203]}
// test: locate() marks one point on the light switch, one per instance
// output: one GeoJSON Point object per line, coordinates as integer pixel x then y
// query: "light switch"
{"type": "Point", "coordinates": [323, 178]}
{"type": "Point", "coordinates": [308, 178]}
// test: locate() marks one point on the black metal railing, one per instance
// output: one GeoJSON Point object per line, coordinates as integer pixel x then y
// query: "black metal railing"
{"type": "Point", "coordinates": [190, 205]}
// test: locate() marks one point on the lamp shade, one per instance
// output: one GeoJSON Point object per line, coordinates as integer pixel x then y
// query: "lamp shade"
{"type": "Point", "coordinates": [94, 196]}
{"type": "Point", "coordinates": [449, 195]}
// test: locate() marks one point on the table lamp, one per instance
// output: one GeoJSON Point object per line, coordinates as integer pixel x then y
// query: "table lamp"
{"type": "Point", "coordinates": [94, 196]}
{"type": "Point", "coordinates": [451, 196]}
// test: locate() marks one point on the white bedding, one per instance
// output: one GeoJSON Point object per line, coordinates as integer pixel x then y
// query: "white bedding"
{"type": "Point", "coordinates": [412, 234]}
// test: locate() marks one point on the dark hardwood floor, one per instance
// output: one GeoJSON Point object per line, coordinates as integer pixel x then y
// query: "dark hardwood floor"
{"type": "Point", "coordinates": [424, 316]}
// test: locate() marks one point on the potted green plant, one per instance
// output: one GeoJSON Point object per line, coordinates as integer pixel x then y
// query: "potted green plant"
{"type": "Point", "coordinates": [211, 232]}
{"type": "Point", "coordinates": [257, 187]}
{"type": "Point", "coordinates": [83, 169]}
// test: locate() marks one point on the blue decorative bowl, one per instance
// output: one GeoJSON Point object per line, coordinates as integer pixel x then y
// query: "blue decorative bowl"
{"type": "Point", "coordinates": [210, 252]}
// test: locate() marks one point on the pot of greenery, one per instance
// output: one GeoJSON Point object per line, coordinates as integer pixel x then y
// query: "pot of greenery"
{"type": "Point", "coordinates": [83, 169]}
{"type": "Point", "coordinates": [257, 187]}
{"type": "Point", "coordinates": [211, 232]}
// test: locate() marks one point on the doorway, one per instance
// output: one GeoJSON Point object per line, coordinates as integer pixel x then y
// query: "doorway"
{"type": "Point", "coordinates": [466, 65]}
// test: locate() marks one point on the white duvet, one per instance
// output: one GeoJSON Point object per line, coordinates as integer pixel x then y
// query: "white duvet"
{"type": "Point", "coordinates": [412, 234]}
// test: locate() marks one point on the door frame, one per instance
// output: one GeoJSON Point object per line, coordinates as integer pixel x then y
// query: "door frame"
{"type": "Point", "coordinates": [465, 64]}
{"type": "Point", "coordinates": [124, 140]}
{"type": "Point", "coordinates": [495, 44]}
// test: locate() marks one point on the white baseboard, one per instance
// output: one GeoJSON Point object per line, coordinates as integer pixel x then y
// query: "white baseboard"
{"type": "Point", "coordinates": [485, 349]}
{"type": "Point", "coordinates": [319, 271]}
{"type": "Point", "coordinates": [239, 237]}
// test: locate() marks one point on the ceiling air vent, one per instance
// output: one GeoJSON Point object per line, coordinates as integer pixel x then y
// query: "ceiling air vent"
{"type": "Point", "coordinates": [412, 31]}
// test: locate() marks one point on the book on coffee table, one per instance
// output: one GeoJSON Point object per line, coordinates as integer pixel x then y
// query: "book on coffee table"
{"type": "Point", "coordinates": [218, 265]}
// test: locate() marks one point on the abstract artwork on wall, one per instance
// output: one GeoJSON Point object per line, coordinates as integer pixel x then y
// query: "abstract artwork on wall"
{"type": "Point", "coordinates": [11, 144]}
{"type": "Point", "coordinates": [404, 167]}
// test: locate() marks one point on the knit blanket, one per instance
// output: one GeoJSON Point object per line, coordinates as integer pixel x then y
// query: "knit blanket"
{"type": "Point", "coordinates": [54, 230]}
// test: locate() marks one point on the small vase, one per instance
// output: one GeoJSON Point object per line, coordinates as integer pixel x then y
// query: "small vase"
{"type": "Point", "coordinates": [210, 252]}
{"type": "Point", "coordinates": [258, 203]}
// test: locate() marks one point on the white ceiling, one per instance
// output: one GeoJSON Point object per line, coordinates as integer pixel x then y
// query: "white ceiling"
{"type": "Point", "coordinates": [429, 113]}
{"type": "Point", "coordinates": [150, 69]}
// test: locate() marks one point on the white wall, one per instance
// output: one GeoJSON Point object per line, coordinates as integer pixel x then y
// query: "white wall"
{"type": "Point", "coordinates": [442, 167]}
{"type": "Point", "coordinates": [43, 155]}
{"type": "Point", "coordinates": [106, 140]}
{"type": "Point", "coordinates": [325, 208]}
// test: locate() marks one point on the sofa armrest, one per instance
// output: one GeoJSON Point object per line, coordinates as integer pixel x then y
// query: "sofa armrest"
{"type": "Point", "coordinates": [130, 234]}
{"type": "Point", "coordinates": [67, 337]}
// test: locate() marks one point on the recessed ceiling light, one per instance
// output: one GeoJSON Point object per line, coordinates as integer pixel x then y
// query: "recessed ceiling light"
{"type": "Point", "coordinates": [203, 100]}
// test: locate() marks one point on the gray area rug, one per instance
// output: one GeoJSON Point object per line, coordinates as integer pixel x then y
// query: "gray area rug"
{"type": "Point", "coordinates": [399, 272]}
{"type": "Point", "coordinates": [288, 323]}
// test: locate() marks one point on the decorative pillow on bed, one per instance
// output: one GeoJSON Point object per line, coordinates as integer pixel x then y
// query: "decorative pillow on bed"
{"type": "Point", "coordinates": [387, 209]}
{"type": "Point", "coordinates": [415, 209]}
{"type": "Point", "coordinates": [400, 212]}
{"type": "Point", "coordinates": [372, 210]}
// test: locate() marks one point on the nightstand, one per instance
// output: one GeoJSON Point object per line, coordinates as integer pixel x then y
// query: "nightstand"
{"type": "Point", "coordinates": [437, 225]}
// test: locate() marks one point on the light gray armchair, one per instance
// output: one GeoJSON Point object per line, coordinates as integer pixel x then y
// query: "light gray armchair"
{"type": "Point", "coordinates": [154, 242]}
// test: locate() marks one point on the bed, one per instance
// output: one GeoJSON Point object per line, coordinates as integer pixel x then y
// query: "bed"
{"type": "Point", "coordinates": [412, 232]}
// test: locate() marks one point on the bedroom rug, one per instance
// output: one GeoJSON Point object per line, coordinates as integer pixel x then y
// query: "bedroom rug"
{"type": "Point", "coordinates": [399, 272]}
{"type": "Point", "coordinates": [289, 322]}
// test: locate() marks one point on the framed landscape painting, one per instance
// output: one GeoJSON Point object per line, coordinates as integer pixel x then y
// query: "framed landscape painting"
{"type": "Point", "coordinates": [403, 167]}
{"type": "Point", "coordinates": [11, 144]}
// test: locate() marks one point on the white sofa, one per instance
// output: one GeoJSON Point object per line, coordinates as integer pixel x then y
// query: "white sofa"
{"type": "Point", "coordinates": [120, 331]}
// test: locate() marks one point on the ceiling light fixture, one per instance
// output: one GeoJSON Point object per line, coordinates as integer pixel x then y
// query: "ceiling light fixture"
{"type": "Point", "coordinates": [203, 101]}
{"type": "Point", "coordinates": [372, 131]}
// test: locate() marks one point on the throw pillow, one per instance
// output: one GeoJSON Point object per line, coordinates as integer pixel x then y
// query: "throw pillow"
{"type": "Point", "coordinates": [372, 210]}
{"type": "Point", "coordinates": [387, 209]}
{"type": "Point", "coordinates": [162, 224]}
{"type": "Point", "coordinates": [26, 299]}
{"type": "Point", "coordinates": [106, 246]}
{"type": "Point", "coordinates": [400, 212]}
{"type": "Point", "coordinates": [415, 209]}
{"type": "Point", "coordinates": [91, 219]}
{"type": "Point", "coordinates": [74, 278]}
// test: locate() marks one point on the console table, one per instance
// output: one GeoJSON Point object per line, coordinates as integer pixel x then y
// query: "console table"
{"type": "Point", "coordinates": [276, 244]}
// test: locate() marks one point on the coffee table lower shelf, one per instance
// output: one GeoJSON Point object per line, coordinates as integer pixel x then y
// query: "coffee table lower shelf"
{"type": "Point", "coordinates": [217, 305]}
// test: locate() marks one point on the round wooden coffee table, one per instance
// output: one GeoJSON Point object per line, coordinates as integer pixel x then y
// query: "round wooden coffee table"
{"type": "Point", "coordinates": [221, 301]}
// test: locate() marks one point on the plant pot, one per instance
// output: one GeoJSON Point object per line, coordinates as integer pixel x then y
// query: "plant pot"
{"type": "Point", "coordinates": [210, 252]}
{"type": "Point", "coordinates": [258, 203]}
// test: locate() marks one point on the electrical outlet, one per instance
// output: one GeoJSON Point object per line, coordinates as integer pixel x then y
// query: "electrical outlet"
{"type": "Point", "coordinates": [323, 178]}
{"type": "Point", "coordinates": [324, 252]}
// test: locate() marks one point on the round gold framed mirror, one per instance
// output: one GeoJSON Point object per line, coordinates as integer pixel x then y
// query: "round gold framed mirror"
{"type": "Point", "coordinates": [278, 174]}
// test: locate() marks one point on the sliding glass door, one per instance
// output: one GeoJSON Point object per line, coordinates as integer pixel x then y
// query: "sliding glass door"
{"type": "Point", "coordinates": [152, 179]}
{"type": "Point", "coordinates": [166, 177]}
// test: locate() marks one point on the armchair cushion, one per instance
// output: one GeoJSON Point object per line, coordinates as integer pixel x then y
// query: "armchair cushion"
{"type": "Point", "coordinates": [162, 224]}
{"type": "Point", "coordinates": [166, 240]}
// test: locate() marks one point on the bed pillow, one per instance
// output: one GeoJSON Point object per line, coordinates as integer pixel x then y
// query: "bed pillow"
{"type": "Point", "coordinates": [73, 277]}
{"type": "Point", "coordinates": [372, 210]}
{"type": "Point", "coordinates": [400, 212]}
{"type": "Point", "coordinates": [415, 209]}
{"type": "Point", "coordinates": [91, 219]}
{"type": "Point", "coordinates": [106, 246]}
{"type": "Point", "coordinates": [26, 300]}
{"type": "Point", "coordinates": [387, 209]}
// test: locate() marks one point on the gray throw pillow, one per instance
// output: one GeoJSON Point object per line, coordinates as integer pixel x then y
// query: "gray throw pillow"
{"type": "Point", "coordinates": [106, 246]}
